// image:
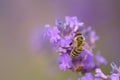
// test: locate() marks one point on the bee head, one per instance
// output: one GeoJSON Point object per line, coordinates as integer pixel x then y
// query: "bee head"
{"type": "Point", "coordinates": [79, 37]}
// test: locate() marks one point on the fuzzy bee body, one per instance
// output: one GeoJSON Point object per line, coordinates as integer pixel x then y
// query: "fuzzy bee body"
{"type": "Point", "coordinates": [77, 46]}
{"type": "Point", "coordinates": [75, 52]}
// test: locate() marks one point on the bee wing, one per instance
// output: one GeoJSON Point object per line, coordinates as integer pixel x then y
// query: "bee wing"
{"type": "Point", "coordinates": [72, 44]}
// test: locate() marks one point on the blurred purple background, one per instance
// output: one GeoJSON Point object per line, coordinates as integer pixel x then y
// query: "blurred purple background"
{"type": "Point", "coordinates": [19, 19]}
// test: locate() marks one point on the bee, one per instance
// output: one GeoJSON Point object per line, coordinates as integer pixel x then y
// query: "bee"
{"type": "Point", "coordinates": [77, 45]}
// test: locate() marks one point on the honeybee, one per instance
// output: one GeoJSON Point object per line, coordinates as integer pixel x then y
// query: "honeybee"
{"type": "Point", "coordinates": [77, 45]}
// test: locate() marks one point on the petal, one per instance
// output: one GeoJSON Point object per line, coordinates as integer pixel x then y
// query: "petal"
{"type": "Point", "coordinates": [115, 76]}
{"type": "Point", "coordinates": [97, 78]}
{"type": "Point", "coordinates": [61, 50]}
{"type": "Point", "coordinates": [99, 73]}
{"type": "Point", "coordinates": [100, 59]}
{"type": "Point", "coordinates": [87, 76]}
{"type": "Point", "coordinates": [68, 20]}
{"type": "Point", "coordinates": [64, 62]}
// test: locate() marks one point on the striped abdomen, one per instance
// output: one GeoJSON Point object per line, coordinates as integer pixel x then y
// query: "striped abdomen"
{"type": "Point", "coordinates": [75, 52]}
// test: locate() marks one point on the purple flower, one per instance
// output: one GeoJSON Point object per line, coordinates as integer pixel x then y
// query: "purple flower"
{"type": "Point", "coordinates": [93, 37]}
{"type": "Point", "coordinates": [63, 35]}
{"type": "Point", "coordinates": [100, 74]}
{"type": "Point", "coordinates": [87, 76]}
{"type": "Point", "coordinates": [76, 53]}
{"type": "Point", "coordinates": [115, 76]}
{"type": "Point", "coordinates": [115, 68]}
{"type": "Point", "coordinates": [64, 62]}
{"type": "Point", "coordinates": [90, 36]}
{"type": "Point", "coordinates": [53, 33]}
{"type": "Point", "coordinates": [65, 42]}
{"type": "Point", "coordinates": [100, 59]}
{"type": "Point", "coordinates": [61, 50]}
{"type": "Point", "coordinates": [88, 62]}
{"type": "Point", "coordinates": [73, 21]}
{"type": "Point", "coordinates": [96, 78]}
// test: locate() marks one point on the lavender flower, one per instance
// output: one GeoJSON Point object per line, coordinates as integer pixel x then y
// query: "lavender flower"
{"type": "Point", "coordinates": [96, 78]}
{"type": "Point", "coordinates": [62, 36]}
{"type": "Point", "coordinates": [100, 74]}
{"type": "Point", "coordinates": [53, 33]}
{"type": "Point", "coordinates": [115, 73]}
{"type": "Point", "coordinates": [87, 76]}
{"type": "Point", "coordinates": [115, 76]}
{"type": "Point", "coordinates": [64, 62]}
{"type": "Point", "coordinates": [100, 59]}
{"type": "Point", "coordinates": [115, 68]}
{"type": "Point", "coordinates": [65, 42]}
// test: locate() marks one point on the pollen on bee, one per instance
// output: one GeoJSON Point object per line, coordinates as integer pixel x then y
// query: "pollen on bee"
{"type": "Point", "coordinates": [79, 68]}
